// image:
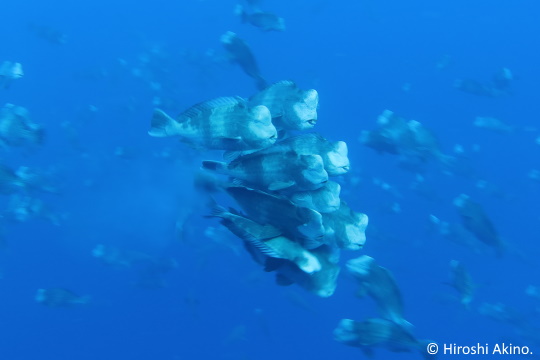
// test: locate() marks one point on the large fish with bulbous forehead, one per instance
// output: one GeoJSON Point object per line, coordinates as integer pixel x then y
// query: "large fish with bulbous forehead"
{"type": "Point", "coordinates": [377, 332]}
{"type": "Point", "coordinates": [379, 284]}
{"type": "Point", "coordinates": [476, 221]}
{"type": "Point", "coordinates": [266, 243]}
{"type": "Point", "coordinates": [323, 200]}
{"type": "Point", "coordinates": [323, 283]}
{"type": "Point", "coordinates": [225, 123]}
{"type": "Point", "coordinates": [241, 54]}
{"type": "Point", "coordinates": [291, 107]}
{"type": "Point", "coordinates": [295, 221]}
{"type": "Point", "coordinates": [334, 154]}
{"type": "Point", "coordinates": [275, 171]}
{"type": "Point", "coordinates": [16, 128]}
{"type": "Point", "coordinates": [346, 228]}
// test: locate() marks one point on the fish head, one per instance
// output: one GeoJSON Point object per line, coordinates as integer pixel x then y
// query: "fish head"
{"type": "Point", "coordinates": [360, 267]}
{"type": "Point", "coordinates": [313, 174]}
{"type": "Point", "coordinates": [337, 161]}
{"type": "Point", "coordinates": [261, 133]}
{"type": "Point", "coordinates": [308, 263]}
{"type": "Point", "coordinates": [346, 332]}
{"type": "Point", "coordinates": [302, 114]}
{"type": "Point", "coordinates": [280, 24]}
{"type": "Point", "coordinates": [356, 237]}
{"type": "Point", "coordinates": [327, 200]}
{"type": "Point", "coordinates": [324, 282]}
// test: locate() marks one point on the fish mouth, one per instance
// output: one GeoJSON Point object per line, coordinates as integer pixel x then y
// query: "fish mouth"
{"type": "Point", "coordinates": [346, 167]}
{"type": "Point", "coordinates": [312, 122]}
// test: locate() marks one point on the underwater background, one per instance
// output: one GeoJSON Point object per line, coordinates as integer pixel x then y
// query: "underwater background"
{"type": "Point", "coordinates": [94, 91]}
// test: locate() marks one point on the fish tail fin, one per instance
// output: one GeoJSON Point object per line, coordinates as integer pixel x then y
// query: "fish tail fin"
{"type": "Point", "coordinates": [260, 83]}
{"type": "Point", "coordinates": [216, 210]}
{"type": "Point", "coordinates": [162, 124]}
{"type": "Point", "coordinates": [216, 166]}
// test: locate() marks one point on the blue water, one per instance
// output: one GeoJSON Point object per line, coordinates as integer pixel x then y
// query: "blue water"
{"type": "Point", "coordinates": [217, 303]}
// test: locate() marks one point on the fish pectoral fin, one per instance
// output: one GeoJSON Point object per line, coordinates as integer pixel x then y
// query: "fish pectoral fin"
{"type": "Point", "coordinates": [282, 280]}
{"type": "Point", "coordinates": [280, 185]}
{"type": "Point", "coordinates": [269, 232]}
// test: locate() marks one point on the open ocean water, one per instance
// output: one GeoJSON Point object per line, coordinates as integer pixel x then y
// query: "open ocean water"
{"type": "Point", "coordinates": [184, 287]}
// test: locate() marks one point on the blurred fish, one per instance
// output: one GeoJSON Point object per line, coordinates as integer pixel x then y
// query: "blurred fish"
{"type": "Point", "coordinates": [415, 144]}
{"type": "Point", "coordinates": [241, 54]}
{"type": "Point", "coordinates": [461, 280]}
{"type": "Point", "coordinates": [379, 284]}
{"type": "Point", "coordinates": [322, 283]}
{"type": "Point", "coordinates": [48, 34]}
{"type": "Point", "coordinates": [274, 171]}
{"type": "Point", "coordinates": [22, 208]}
{"type": "Point", "coordinates": [503, 313]}
{"type": "Point", "coordinates": [493, 124]}
{"type": "Point", "coordinates": [376, 332]}
{"type": "Point", "coordinates": [16, 129]}
{"type": "Point", "coordinates": [474, 87]}
{"type": "Point", "coordinates": [10, 71]}
{"type": "Point", "coordinates": [323, 200]}
{"type": "Point", "coordinates": [10, 182]}
{"type": "Point", "coordinates": [265, 21]}
{"type": "Point", "coordinates": [533, 291]}
{"type": "Point", "coordinates": [224, 123]}
{"type": "Point", "coordinates": [291, 107]}
{"type": "Point", "coordinates": [502, 79]}
{"type": "Point", "coordinates": [345, 228]}
{"type": "Point", "coordinates": [296, 222]}
{"type": "Point", "coordinates": [476, 221]}
{"type": "Point", "coordinates": [266, 244]}
{"type": "Point", "coordinates": [60, 297]}
{"type": "Point", "coordinates": [110, 255]}
{"type": "Point", "coordinates": [333, 154]}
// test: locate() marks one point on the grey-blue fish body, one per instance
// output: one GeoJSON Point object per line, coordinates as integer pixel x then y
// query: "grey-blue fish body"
{"type": "Point", "coordinates": [10, 71]}
{"type": "Point", "coordinates": [241, 54]}
{"type": "Point", "coordinates": [461, 280]}
{"type": "Point", "coordinates": [493, 124]}
{"type": "Point", "coordinates": [224, 123]}
{"type": "Point", "coordinates": [295, 221]}
{"type": "Point", "coordinates": [346, 228]}
{"type": "Point", "coordinates": [16, 129]}
{"type": "Point", "coordinates": [475, 220]}
{"type": "Point", "coordinates": [275, 171]}
{"type": "Point", "coordinates": [291, 107]}
{"type": "Point", "coordinates": [265, 21]}
{"type": "Point", "coordinates": [379, 283]}
{"type": "Point", "coordinates": [60, 297]}
{"type": "Point", "coordinates": [322, 283]}
{"type": "Point", "coordinates": [334, 154]}
{"type": "Point", "coordinates": [266, 242]}
{"type": "Point", "coordinates": [323, 200]}
{"type": "Point", "coordinates": [382, 333]}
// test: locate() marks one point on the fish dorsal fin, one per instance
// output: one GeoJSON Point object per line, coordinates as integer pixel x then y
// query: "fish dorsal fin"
{"type": "Point", "coordinates": [211, 106]}
{"type": "Point", "coordinates": [264, 248]}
